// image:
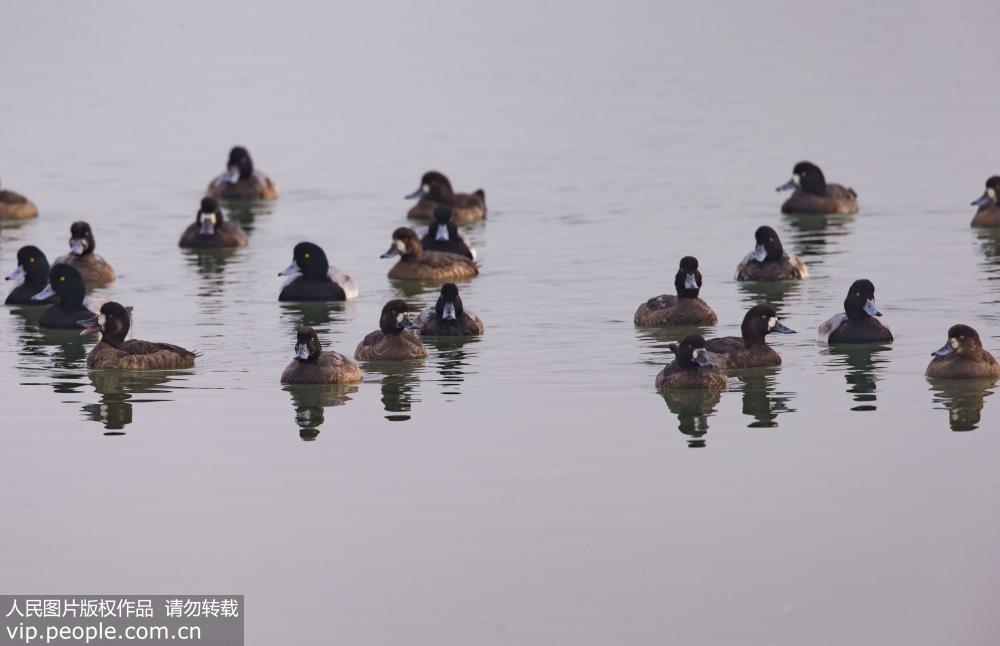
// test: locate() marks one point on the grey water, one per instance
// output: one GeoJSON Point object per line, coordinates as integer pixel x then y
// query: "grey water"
{"type": "Point", "coordinates": [531, 486]}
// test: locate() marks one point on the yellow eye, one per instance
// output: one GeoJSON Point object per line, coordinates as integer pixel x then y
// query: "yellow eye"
{"type": "Point", "coordinates": [770, 239]}
{"type": "Point", "coordinates": [62, 279]}
{"type": "Point", "coordinates": [857, 293]}
{"type": "Point", "coordinates": [961, 338]}
{"type": "Point", "coordinates": [31, 260]}
{"type": "Point", "coordinates": [305, 255]}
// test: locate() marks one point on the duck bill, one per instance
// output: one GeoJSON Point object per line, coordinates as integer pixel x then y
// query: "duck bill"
{"type": "Point", "coordinates": [449, 312]}
{"type": "Point", "coordinates": [90, 326]}
{"type": "Point", "coordinates": [290, 270]}
{"type": "Point", "coordinates": [207, 227]}
{"type": "Point", "coordinates": [46, 293]}
{"type": "Point", "coordinates": [690, 282]}
{"type": "Point", "coordinates": [944, 350]}
{"type": "Point", "coordinates": [442, 234]}
{"type": "Point", "coordinates": [982, 200]}
{"type": "Point", "coordinates": [759, 253]}
{"type": "Point", "coordinates": [416, 195]}
{"type": "Point", "coordinates": [408, 324]}
{"type": "Point", "coordinates": [393, 251]}
{"type": "Point", "coordinates": [301, 351]}
{"type": "Point", "coordinates": [18, 276]}
{"type": "Point", "coordinates": [870, 309]}
{"type": "Point", "coordinates": [77, 246]}
{"type": "Point", "coordinates": [790, 185]}
{"type": "Point", "coordinates": [232, 174]}
{"type": "Point", "coordinates": [702, 359]}
{"type": "Point", "coordinates": [782, 329]}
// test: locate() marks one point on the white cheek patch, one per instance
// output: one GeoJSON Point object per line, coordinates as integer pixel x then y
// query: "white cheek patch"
{"type": "Point", "coordinates": [400, 247]}
{"type": "Point", "coordinates": [771, 322]}
{"type": "Point", "coordinates": [992, 193]}
{"type": "Point", "coordinates": [400, 317]}
{"type": "Point", "coordinates": [425, 188]}
{"type": "Point", "coordinates": [101, 320]}
{"type": "Point", "coordinates": [953, 343]}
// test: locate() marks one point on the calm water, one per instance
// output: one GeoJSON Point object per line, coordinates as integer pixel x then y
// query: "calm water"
{"type": "Point", "coordinates": [530, 487]}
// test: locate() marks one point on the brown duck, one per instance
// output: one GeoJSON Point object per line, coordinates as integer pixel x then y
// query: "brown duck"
{"type": "Point", "coordinates": [313, 365]}
{"type": "Point", "coordinates": [394, 340]}
{"type": "Point", "coordinates": [435, 190]}
{"type": "Point", "coordinates": [114, 352]}
{"type": "Point", "coordinates": [417, 264]}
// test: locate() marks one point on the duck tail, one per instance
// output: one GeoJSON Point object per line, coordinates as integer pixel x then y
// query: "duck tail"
{"type": "Point", "coordinates": [481, 194]}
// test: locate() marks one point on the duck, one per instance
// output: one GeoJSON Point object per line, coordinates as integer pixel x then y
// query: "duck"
{"type": "Point", "coordinates": [14, 206]}
{"type": "Point", "coordinates": [751, 349]}
{"type": "Point", "coordinates": [395, 339]}
{"type": "Point", "coordinates": [313, 365]}
{"type": "Point", "coordinates": [417, 264]}
{"type": "Point", "coordinates": [30, 277]}
{"type": "Point", "coordinates": [448, 317]}
{"type": "Point", "coordinates": [71, 302]}
{"type": "Point", "coordinates": [692, 368]}
{"type": "Point", "coordinates": [988, 214]}
{"type": "Point", "coordinates": [312, 278]}
{"type": "Point", "coordinates": [241, 181]}
{"type": "Point", "coordinates": [443, 235]}
{"type": "Point", "coordinates": [435, 190]}
{"type": "Point", "coordinates": [95, 270]}
{"type": "Point", "coordinates": [813, 196]}
{"type": "Point", "coordinates": [963, 357]}
{"type": "Point", "coordinates": [769, 262]}
{"type": "Point", "coordinates": [210, 229]}
{"type": "Point", "coordinates": [858, 323]}
{"type": "Point", "coordinates": [686, 308]}
{"type": "Point", "coordinates": [113, 352]}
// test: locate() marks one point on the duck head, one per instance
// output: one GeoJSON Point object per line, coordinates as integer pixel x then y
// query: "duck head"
{"type": "Point", "coordinates": [990, 195]}
{"type": "Point", "coordinates": [768, 246]}
{"type": "Point", "coordinates": [760, 321]}
{"type": "Point", "coordinates": [394, 318]}
{"type": "Point", "coordinates": [113, 322]}
{"type": "Point", "coordinates": [806, 177]}
{"type": "Point", "coordinates": [687, 282]}
{"type": "Point", "coordinates": [239, 166]}
{"type": "Point", "coordinates": [962, 340]}
{"type": "Point", "coordinates": [690, 353]}
{"type": "Point", "coordinates": [860, 302]}
{"type": "Point", "coordinates": [308, 260]}
{"type": "Point", "coordinates": [405, 244]}
{"type": "Point", "coordinates": [449, 303]}
{"type": "Point", "coordinates": [81, 239]}
{"type": "Point", "coordinates": [209, 216]}
{"type": "Point", "coordinates": [433, 185]}
{"type": "Point", "coordinates": [32, 267]}
{"type": "Point", "coordinates": [66, 283]}
{"type": "Point", "coordinates": [442, 220]}
{"type": "Point", "coordinates": [307, 345]}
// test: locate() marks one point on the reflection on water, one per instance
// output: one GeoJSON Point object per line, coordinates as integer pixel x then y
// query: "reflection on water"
{"type": "Point", "coordinates": [862, 363]}
{"type": "Point", "coordinates": [246, 212]}
{"type": "Point", "coordinates": [658, 338]}
{"type": "Point", "coordinates": [811, 234]}
{"type": "Point", "coordinates": [963, 399]}
{"type": "Point", "coordinates": [692, 408]}
{"type": "Point", "coordinates": [989, 245]}
{"type": "Point", "coordinates": [774, 293]}
{"type": "Point", "coordinates": [452, 360]}
{"type": "Point", "coordinates": [51, 357]}
{"type": "Point", "coordinates": [118, 390]}
{"type": "Point", "coordinates": [309, 402]}
{"type": "Point", "coordinates": [319, 314]}
{"type": "Point", "coordinates": [410, 288]}
{"type": "Point", "coordinates": [399, 386]}
{"type": "Point", "coordinates": [761, 399]}
{"type": "Point", "coordinates": [209, 263]}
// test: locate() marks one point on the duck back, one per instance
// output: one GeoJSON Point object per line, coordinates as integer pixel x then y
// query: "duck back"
{"type": "Point", "coordinates": [330, 368]}
{"type": "Point", "coordinates": [668, 309]}
{"type": "Point", "coordinates": [838, 199]}
{"type": "Point", "coordinates": [434, 265]}
{"type": "Point", "coordinates": [379, 346]}
{"type": "Point", "coordinates": [140, 355]}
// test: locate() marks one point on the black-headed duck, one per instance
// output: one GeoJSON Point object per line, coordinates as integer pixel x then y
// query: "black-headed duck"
{"type": "Point", "coordinates": [963, 357]}
{"type": "Point", "coordinates": [313, 365]}
{"type": "Point", "coordinates": [683, 309]}
{"type": "Point", "coordinates": [435, 190]}
{"type": "Point", "coordinates": [71, 304]}
{"type": "Point", "coordinates": [312, 278]}
{"type": "Point", "coordinates": [443, 235]}
{"type": "Point", "coordinates": [691, 369]}
{"type": "Point", "coordinates": [858, 323]}
{"type": "Point", "coordinates": [14, 206]}
{"type": "Point", "coordinates": [211, 230]}
{"type": "Point", "coordinates": [395, 339]}
{"type": "Point", "coordinates": [94, 269]}
{"type": "Point", "coordinates": [751, 349]}
{"type": "Point", "coordinates": [448, 317]}
{"type": "Point", "coordinates": [242, 181]}
{"type": "Point", "coordinates": [813, 196]}
{"type": "Point", "coordinates": [417, 264]}
{"type": "Point", "coordinates": [114, 352]}
{"type": "Point", "coordinates": [988, 214]}
{"type": "Point", "coordinates": [769, 262]}
{"type": "Point", "coordinates": [30, 277]}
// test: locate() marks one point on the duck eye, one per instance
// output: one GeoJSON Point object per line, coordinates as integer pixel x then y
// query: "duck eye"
{"type": "Point", "coordinates": [62, 279]}
{"type": "Point", "coordinates": [305, 255]}
{"type": "Point", "coordinates": [857, 293]}
{"type": "Point", "coordinates": [770, 239]}
{"type": "Point", "coordinates": [31, 260]}
{"type": "Point", "coordinates": [961, 337]}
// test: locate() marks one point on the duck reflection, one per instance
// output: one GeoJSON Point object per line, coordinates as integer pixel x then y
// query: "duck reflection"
{"type": "Point", "coordinates": [692, 408]}
{"type": "Point", "coordinates": [408, 289]}
{"type": "Point", "coordinates": [775, 294]}
{"type": "Point", "coordinates": [451, 360]}
{"type": "Point", "coordinates": [55, 357]}
{"type": "Point", "coordinates": [209, 263]}
{"type": "Point", "coordinates": [309, 403]}
{"type": "Point", "coordinates": [246, 212]}
{"type": "Point", "coordinates": [317, 314]}
{"type": "Point", "coordinates": [761, 399]}
{"type": "Point", "coordinates": [863, 363]}
{"type": "Point", "coordinates": [963, 399]}
{"type": "Point", "coordinates": [812, 234]}
{"type": "Point", "coordinates": [399, 386]}
{"type": "Point", "coordinates": [118, 390]}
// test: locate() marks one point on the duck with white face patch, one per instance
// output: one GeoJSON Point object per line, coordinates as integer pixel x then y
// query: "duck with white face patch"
{"type": "Point", "coordinates": [435, 190]}
{"type": "Point", "coordinates": [116, 352]}
{"type": "Point", "coordinates": [812, 195]}
{"type": "Point", "coordinates": [963, 357]}
{"type": "Point", "coordinates": [395, 340]}
{"type": "Point", "coordinates": [416, 264]}
{"type": "Point", "coordinates": [769, 262]}
{"type": "Point", "coordinates": [988, 213]}
{"type": "Point", "coordinates": [14, 206]}
{"type": "Point", "coordinates": [859, 323]}
{"type": "Point", "coordinates": [684, 308]}
{"type": "Point", "coordinates": [96, 271]}
{"type": "Point", "coordinates": [692, 368]}
{"type": "Point", "coordinates": [211, 229]}
{"type": "Point", "coordinates": [751, 349]}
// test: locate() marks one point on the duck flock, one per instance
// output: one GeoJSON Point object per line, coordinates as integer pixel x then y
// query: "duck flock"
{"type": "Point", "coordinates": [443, 255]}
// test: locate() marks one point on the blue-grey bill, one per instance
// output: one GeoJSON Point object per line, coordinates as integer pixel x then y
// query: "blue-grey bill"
{"type": "Point", "coordinates": [442, 234]}
{"type": "Point", "coordinates": [77, 246]}
{"type": "Point", "coordinates": [982, 200]}
{"type": "Point", "coordinates": [782, 329]}
{"type": "Point", "coordinates": [290, 270]}
{"type": "Point", "coordinates": [690, 282]}
{"type": "Point", "coordinates": [759, 253]}
{"type": "Point", "coordinates": [787, 186]}
{"type": "Point", "coordinates": [944, 350]}
{"type": "Point", "coordinates": [393, 251]}
{"type": "Point", "coordinates": [703, 360]}
{"type": "Point", "coordinates": [18, 275]}
{"type": "Point", "coordinates": [301, 351]}
{"type": "Point", "coordinates": [449, 311]}
{"type": "Point", "coordinates": [870, 308]}
{"type": "Point", "coordinates": [416, 194]}
{"type": "Point", "coordinates": [48, 292]}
